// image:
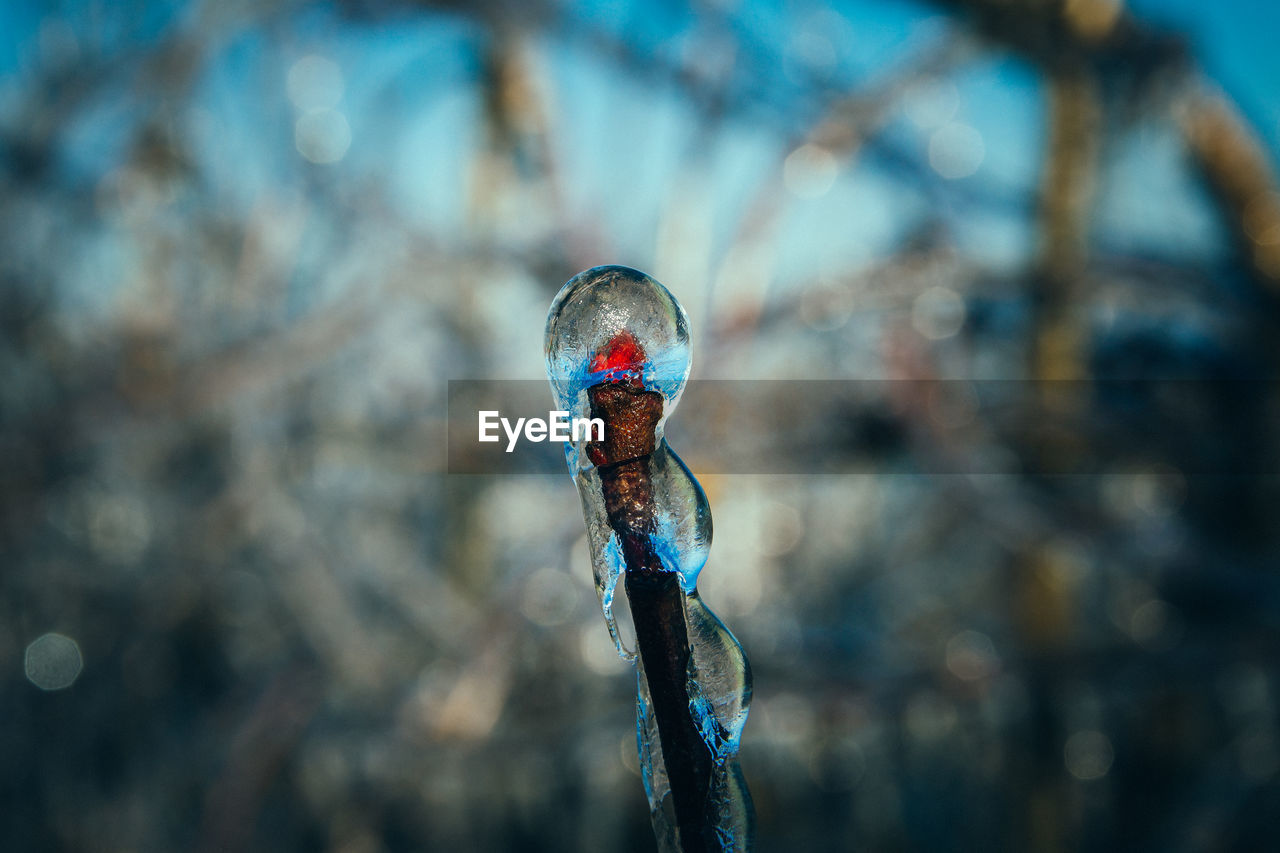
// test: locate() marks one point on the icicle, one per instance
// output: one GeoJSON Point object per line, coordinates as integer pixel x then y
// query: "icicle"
{"type": "Point", "coordinates": [617, 348]}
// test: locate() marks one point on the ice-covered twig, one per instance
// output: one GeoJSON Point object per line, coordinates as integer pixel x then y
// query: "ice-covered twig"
{"type": "Point", "coordinates": [618, 350]}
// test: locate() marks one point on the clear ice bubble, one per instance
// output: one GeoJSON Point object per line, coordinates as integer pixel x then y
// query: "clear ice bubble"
{"type": "Point", "coordinates": [617, 347]}
{"type": "Point", "coordinates": [609, 324]}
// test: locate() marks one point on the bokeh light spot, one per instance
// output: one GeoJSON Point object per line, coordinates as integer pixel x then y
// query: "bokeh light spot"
{"type": "Point", "coordinates": [599, 654]}
{"type": "Point", "coordinates": [53, 662]}
{"type": "Point", "coordinates": [314, 83]}
{"type": "Point", "coordinates": [1155, 625]}
{"type": "Point", "coordinates": [809, 172]}
{"type": "Point", "coordinates": [1088, 755]}
{"type": "Point", "coordinates": [549, 597]}
{"type": "Point", "coordinates": [119, 527]}
{"type": "Point", "coordinates": [322, 136]}
{"type": "Point", "coordinates": [932, 105]}
{"type": "Point", "coordinates": [938, 313]}
{"type": "Point", "coordinates": [972, 656]}
{"type": "Point", "coordinates": [826, 309]}
{"type": "Point", "coordinates": [956, 151]}
{"type": "Point", "coordinates": [1093, 19]}
{"type": "Point", "coordinates": [782, 530]}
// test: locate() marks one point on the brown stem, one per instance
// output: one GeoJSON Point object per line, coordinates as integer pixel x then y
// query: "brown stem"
{"type": "Point", "coordinates": [630, 415]}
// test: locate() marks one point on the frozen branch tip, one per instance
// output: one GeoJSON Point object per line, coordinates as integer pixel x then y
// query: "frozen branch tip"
{"type": "Point", "coordinates": [617, 351]}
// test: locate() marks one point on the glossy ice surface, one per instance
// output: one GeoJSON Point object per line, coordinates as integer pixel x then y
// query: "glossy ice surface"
{"type": "Point", "coordinates": [610, 323]}
{"type": "Point", "coordinates": [615, 324]}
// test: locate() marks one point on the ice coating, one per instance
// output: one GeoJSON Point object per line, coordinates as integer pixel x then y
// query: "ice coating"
{"type": "Point", "coordinates": [617, 347]}
{"type": "Point", "coordinates": [614, 323]}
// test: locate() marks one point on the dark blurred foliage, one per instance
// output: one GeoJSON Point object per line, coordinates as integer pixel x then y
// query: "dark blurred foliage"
{"type": "Point", "coordinates": [243, 247]}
